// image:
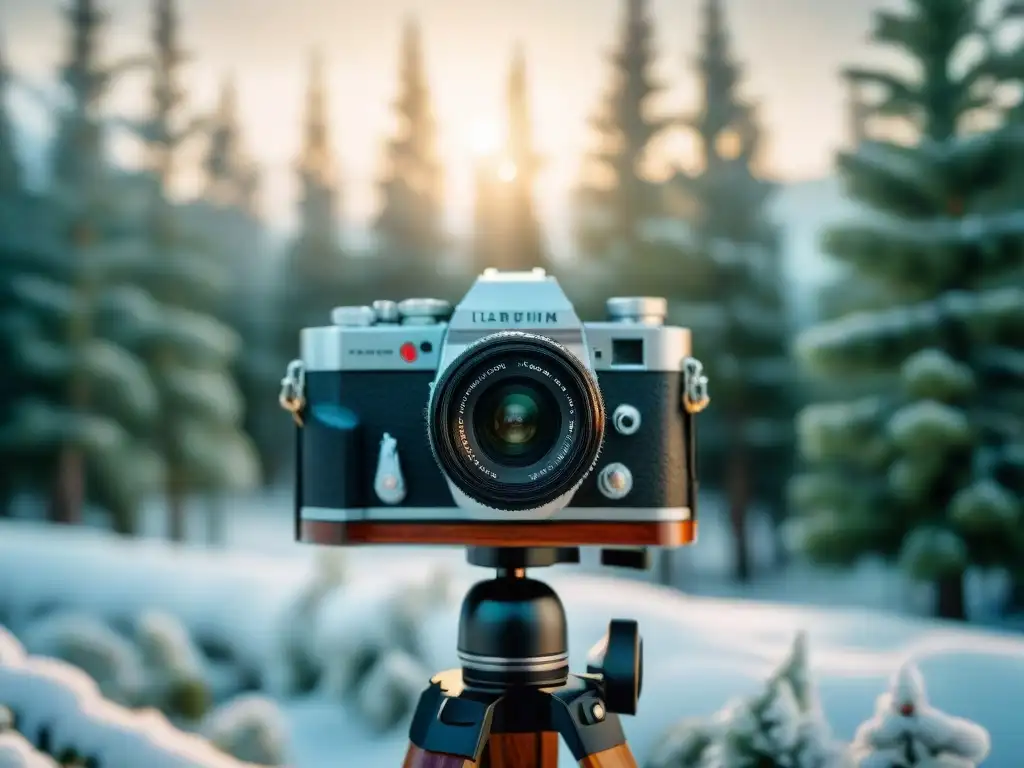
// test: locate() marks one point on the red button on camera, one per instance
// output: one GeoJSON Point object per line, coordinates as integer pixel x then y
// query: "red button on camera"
{"type": "Point", "coordinates": [408, 352]}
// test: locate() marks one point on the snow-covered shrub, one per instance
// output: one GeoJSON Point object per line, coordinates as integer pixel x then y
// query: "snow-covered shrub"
{"type": "Point", "coordinates": [780, 726]}
{"type": "Point", "coordinates": [11, 649]}
{"type": "Point", "coordinates": [296, 668]}
{"type": "Point", "coordinates": [685, 744]}
{"type": "Point", "coordinates": [358, 627]}
{"type": "Point", "coordinates": [175, 681]}
{"type": "Point", "coordinates": [907, 732]}
{"type": "Point", "coordinates": [58, 709]}
{"type": "Point", "coordinates": [389, 692]}
{"type": "Point", "coordinates": [251, 728]}
{"type": "Point", "coordinates": [42, 694]}
{"type": "Point", "coordinates": [16, 752]}
{"type": "Point", "coordinates": [91, 645]}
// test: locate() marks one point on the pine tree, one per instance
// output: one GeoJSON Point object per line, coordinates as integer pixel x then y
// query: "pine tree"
{"type": "Point", "coordinates": [10, 167]}
{"type": "Point", "coordinates": [200, 406]}
{"type": "Point", "coordinates": [733, 287]}
{"type": "Point", "coordinates": [317, 277]}
{"type": "Point", "coordinates": [1011, 73]}
{"type": "Point", "coordinates": [85, 396]}
{"type": "Point", "coordinates": [12, 198]}
{"type": "Point", "coordinates": [908, 732]}
{"type": "Point", "coordinates": [410, 226]}
{"type": "Point", "coordinates": [781, 726]}
{"type": "Point", "coordinates": [507, 234]}
{"type": "Point", "coordinates": [919, 469]}
{"type": "Point", "coordinates": [614, 198]}
{"type": "Point", "coordinates": [228, 216]}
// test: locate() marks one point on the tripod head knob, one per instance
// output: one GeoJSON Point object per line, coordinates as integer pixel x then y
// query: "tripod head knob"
{"type": "Point", "coordinates": [618, 658]}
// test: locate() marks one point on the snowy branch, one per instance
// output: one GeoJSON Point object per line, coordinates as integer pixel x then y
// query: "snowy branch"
{"type": "Point", "coordinates": [933, 253]}
{"type": "Point", "coordinates": [868, 342]}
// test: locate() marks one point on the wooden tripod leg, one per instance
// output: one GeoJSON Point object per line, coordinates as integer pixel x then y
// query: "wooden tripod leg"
{"type": "Point", "coordinates": [521, 750]}
{"type": "Point", "coordinates": [419, 758]}
{"type": "Point", "coordinates": [616, 757]}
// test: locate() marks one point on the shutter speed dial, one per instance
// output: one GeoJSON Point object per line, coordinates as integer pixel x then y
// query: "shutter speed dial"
{"type": "Point", "coordinates": [615, 481]}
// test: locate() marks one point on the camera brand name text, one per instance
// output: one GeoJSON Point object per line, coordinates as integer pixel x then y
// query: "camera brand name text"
{"type": "Point", "coordinates": [514, 317]}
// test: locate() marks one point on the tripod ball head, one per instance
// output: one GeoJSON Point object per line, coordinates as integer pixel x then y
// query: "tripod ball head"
{"type": "Point", "coordinates": [618, 658]}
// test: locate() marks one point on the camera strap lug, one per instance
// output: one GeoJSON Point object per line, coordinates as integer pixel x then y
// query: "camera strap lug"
{"type": "Point", "coordinates": [695, 386]}
{"type": "Point", "coordinates": [293, 390]}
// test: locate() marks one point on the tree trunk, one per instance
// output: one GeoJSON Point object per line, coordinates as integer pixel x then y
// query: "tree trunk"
{"type": "Point", "coordinates": [949, 598]}
{"type": "Point", "coordinates": [176, 523]}
{"type": "Point", "coordinates": [780, 553]}
{"type": "Point", "coordinates": [1015, 600]}
{"type": "Point", "coordinates": [123, 521]}
{"type": "Point", "coordinates": [69, 488]}
{"type": "Point", "coordinates": [738, 494]}
{"type": "Point", "coordinates": [215, 523]}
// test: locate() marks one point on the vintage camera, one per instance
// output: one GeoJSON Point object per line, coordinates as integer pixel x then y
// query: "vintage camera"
{"type": "Point", "coordinates": [502, 422]}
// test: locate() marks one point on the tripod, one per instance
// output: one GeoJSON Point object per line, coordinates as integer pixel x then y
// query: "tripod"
{"type": "Point", "coordinates": [514, 696]}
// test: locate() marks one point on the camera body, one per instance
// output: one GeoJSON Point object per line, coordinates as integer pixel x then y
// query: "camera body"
{"type": "Point", "coordinates": [503, 421]}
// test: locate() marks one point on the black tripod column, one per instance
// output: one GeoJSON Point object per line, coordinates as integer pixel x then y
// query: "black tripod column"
{"type": "Point", "coordinates": [514, 697]}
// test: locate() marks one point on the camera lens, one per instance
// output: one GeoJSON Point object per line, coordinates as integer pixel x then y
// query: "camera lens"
{"type": "Point", "coordinates": [516, 421]}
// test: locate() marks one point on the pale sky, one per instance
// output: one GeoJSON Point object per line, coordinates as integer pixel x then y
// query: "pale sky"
{"type": "Point", "coordinates": [793, 50]}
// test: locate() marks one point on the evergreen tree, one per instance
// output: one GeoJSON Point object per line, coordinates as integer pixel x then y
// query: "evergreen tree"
{"type": "Point", "coordinates": [614, 198]}
{"type": "Point", "coordinates": [83, 396]}
{"type": "Point", "coordinates": [908, 732]}
{"type": "Point", "coordinates": [781, 726]}
{"type": "Point", "coordinates": [507, 234]}
{"type": "Point", "coordinates": [733, 285]}
{"type": "Point", "coordinates": [921, 470]}
{"type": "Point", "coordinates": [410, 225]}
{"type": "Point", "coordinates": [317, 276]}
{"type": "Point", "coordinates": [199, 437]}
{"type": "Point", "coordinates": [228, 217]}
{"type": "Point", "coordinates": [12, 197]}
{"type": "Point", "coordinates": [10, 167]}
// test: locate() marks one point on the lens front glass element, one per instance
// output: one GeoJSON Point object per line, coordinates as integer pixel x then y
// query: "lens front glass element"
{"type": "Point", "coordinates": [517, 422]}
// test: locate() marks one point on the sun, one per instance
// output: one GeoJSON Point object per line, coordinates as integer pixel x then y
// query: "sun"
{"type": "Point", "coordinates": [484, 137]}
{"type": "Point", "coordinates": [507, 171]}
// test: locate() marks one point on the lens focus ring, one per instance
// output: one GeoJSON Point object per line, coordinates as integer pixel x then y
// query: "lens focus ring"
{"type": "Point", "coordinates": [516, 421]}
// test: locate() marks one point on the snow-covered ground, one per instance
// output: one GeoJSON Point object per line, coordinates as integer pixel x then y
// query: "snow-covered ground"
{"type": "Point", "coordinates": [263, 524]}
{"type": "Point", "coordinates": [700, 652]}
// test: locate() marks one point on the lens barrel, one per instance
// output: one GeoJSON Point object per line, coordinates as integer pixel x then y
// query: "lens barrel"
{"type": "Point", "coordinates": [516, 421]}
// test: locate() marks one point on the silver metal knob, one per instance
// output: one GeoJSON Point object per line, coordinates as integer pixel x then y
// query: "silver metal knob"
{"type": "Point", "coordinates": [424, 311]}
{"type": "Point", "coordinates": [386, 311]}
{"type": "Point", "coordinates": [353, 316]}
{"type": "Point", "coordinates": [615, 481]}
{"type": "Point", "coordinates": [646, 310]}
{"type": "Point", "coordinates": [626, 419]}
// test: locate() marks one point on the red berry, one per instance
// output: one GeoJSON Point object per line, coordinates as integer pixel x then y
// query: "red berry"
{"type": "Point", "coordinates": [906, 710]}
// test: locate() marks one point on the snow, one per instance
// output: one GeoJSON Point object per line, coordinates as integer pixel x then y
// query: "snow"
{"type": "Point", "coordinates": [700, 653]}
{"type": "Point", "coordinates": [932, 374]}
{"type": "Point", "coordinates": [250, 728]}
{"type": "Point", "coordinates": [16, 752]}
{"type": "Point", "coordinates": [927, 426]}
{"type": "Point", "coordinates": [907, 731]}
{"type": "Point", "coordinates": [984, 506]}
{"type": "Point", "coordinates": [930, 552]}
